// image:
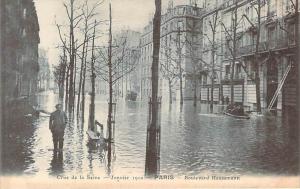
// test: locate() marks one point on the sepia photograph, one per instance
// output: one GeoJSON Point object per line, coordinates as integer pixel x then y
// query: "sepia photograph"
{"type": "Point", "coordinates": [150, 94]}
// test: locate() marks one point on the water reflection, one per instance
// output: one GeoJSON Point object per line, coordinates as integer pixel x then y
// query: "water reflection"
{"type": "Point", "coordinates": [56, 165]}
{"type": "Point", "coordinates": [192, 141]}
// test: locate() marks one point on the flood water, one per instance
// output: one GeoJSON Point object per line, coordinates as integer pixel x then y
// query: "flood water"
{"type": "Point", "coordinates": [193, 142]}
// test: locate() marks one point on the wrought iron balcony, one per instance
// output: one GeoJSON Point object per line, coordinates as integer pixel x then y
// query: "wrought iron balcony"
{"type": "Point", "coordinates": [277, 44]}
{"type": "Point", "coordinates": [239, 76]}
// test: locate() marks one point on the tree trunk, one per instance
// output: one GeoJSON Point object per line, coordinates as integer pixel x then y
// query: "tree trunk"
{"type": "Point", "coordinates": [181, 90]}
{"type": "Point", "coordinates": [110, 82]}
{"type": "Point", "coordinates": [212, 77]}
{"type": "Point", "coordinates": [297, 59]}
{"type": "Point", "coordinates": [180, 68]}
{"type": "Point", "coordinates": [234, 29]}
{"type": "Point", "coordinates": [93, 76]}
{"type": "Point", "coordinates": [257, 79]}
{"type": "Point", "coordinates": [170, 91]}
{"type": "Point", "coordinates": [212, 95]}
{"type": "Point", "coordinates": [195, 91]}
{"type": "Point", "coordinates": [71, 94]}
{"type": "Point", "coordinates": [221, 96]}
{"type": "Point", "coordinates": [67, 89]}
{"type": "Point", "coordinates": [83, 84]}
{"type": "Point", "coordinates": [151, 167]}
{"type": "Point", "coordinates": [62, 85]}
{"type": "Point", "coordinates": [200, 89]}
{"type": "Point", "coordinates": [208, 101]}
{"type": "Point", "coordinates": [257, 84]}
{"type": "Point", "coordinates": [72, 58]}
{"type": "Point", "coordinates": [80, 77]}
{"type": "Point", "coordinates": [122, 82]}
{"type": "Point", "coordinates": [74, 81]}
{"type": "Point", "coordinates": [63, 77]}
{"type": "Point", "coordinates": [60, 92]}
{"type": "Point", "coordinates": [213, 53]}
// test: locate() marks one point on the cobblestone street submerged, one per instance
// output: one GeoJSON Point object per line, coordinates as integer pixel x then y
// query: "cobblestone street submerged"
{"type": "Point", "coordinates": [193, 142]}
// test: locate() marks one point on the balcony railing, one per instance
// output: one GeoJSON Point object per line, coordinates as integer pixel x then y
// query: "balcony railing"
{"type": "Point", "coordinates": [246, 49]}
{"type": "Point", "coordinates": [251, 76]}
{"type": "Point", "coordinates": [237, 76]}
{"type": "Point", "coordinates": [264, 46]}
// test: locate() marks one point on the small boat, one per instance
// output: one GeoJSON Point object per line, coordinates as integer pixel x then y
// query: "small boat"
{"type": "Point", "coordinates": [93, 135]}
{"type": "Point", "coordinates": [131, 95]}
{"type": "Point", "coordinates": [237, 116]}
{"type": "Point", "coordinates": [96, 136]}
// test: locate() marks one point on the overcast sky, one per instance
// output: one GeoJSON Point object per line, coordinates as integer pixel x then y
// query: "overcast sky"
{"type": "Point", "coordinates": [132, 14]}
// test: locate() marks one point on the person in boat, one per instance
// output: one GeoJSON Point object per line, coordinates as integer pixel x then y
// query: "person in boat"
{"type": "Point", "coordinates": [57, 125]}
{"type": "Point", "coordinates": [235, 109]}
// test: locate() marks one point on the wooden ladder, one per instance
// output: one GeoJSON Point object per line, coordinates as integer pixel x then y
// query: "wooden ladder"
{"type": "Point", "coordinates": [280, 86]}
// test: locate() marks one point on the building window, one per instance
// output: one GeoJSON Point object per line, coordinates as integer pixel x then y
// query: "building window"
{"type": "Point", "coordinates": [180, 11]}
{"type": "Point", "coordinates": [227, 69]}
{"type": "Point", "coordinates": [240, 42]}
{"type": "Point", "coordinates": [291, 33]}
{"type": "Point", "coordinates": [180, 25]}
{"type": "Point", "coordinates": [272, 8]}
{"type": "Point", "coordinates": [271, 37]}
{"type": "Point", "coordinates": [194, 11]}
{"type": "Point", "coordinates": [254, 36]}
{"type": "Point", "coordinates": [24, 13]}
{"type": "Point", "coordinates": [204, 79]}
{"type": "Point", "coordinates": [23, 32]}
{"type": "Point", "coordinates": [238, 73]}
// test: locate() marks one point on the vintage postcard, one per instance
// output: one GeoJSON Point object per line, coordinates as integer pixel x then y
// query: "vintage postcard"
{"type": "Point", "coordinates": [150, 93]}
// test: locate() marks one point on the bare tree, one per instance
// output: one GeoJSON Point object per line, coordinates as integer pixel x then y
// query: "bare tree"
{"type": "Point", "coordinates": [193, 43]}
{"type": "Point", "coordinates": [74, 18]}
{"type": "Point", "coordinates": [60, 75]}
{"type": "Point", "coordinates": [212, 23]}
{"type": "Point", "coordinates": [257, 30]}
{"type": "Point", "coordinates": [121, 56]}
{"type": "Point", "coordinates": [176, 56]}
{"type": "Point", "coordinates": [110, 81]}
{"type": "Point", "coordinates": [168, 68]}
{"type": "Point", "coordinates": [105, 64]}
{"type": "Point", "coordinates": [88, 13]}
{"type": "Point", "coordinates": [179, 52]}
{"type": "Point", "coordinates": [231, 44]}
{"type": "Point", "coordinates": [156, 47]}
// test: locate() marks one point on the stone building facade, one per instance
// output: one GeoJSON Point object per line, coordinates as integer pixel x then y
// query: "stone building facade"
{"type": "Point", "coordinates": [44, 71]}
{"type": "Point", "coordinates": [180, 37]}
{"type": "Point", "coordinates": [277, 50]}
{"type": "Point", "coordinates": [19, 59]}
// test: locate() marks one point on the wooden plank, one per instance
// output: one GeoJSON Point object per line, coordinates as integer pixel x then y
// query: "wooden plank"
{"type": "Point", "coordinates": [236, 116]}
{"type": "Point", "coordinates": [92, 135]}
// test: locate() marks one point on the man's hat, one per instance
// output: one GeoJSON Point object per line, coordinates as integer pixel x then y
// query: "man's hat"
{"type": "Point", "coordinates": [56, 106]}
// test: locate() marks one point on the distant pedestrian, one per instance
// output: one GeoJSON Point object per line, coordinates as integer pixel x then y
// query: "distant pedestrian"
{"type": "Point", "coordinates": [227, 100]}
{"type": "Point", "coordinates": [57, 125]}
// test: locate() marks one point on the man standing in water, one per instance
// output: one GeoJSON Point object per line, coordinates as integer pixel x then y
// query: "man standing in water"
{"type": "Point", "coordinates": [57, 125]}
